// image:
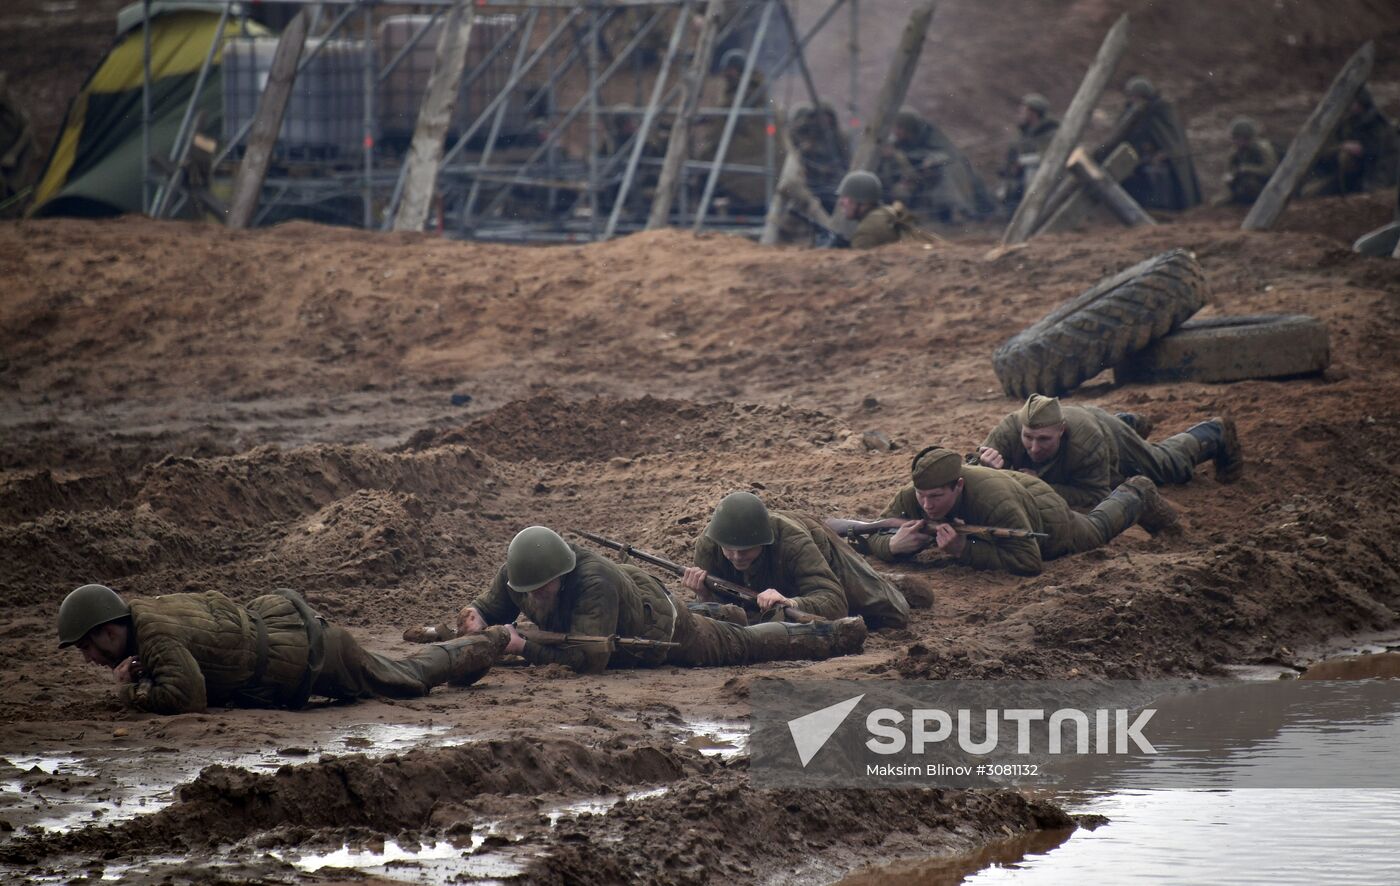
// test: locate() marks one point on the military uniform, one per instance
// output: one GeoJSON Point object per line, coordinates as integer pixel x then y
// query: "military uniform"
{"type": "Point", "coordinates": [198, 650]}
{"type": "Point", "coordinates": [1251, 167]}
{"type": "Point", "coordinates": [887, 224]}
{"type": "Point", "coordinates": [1338, 172]}
{"type": "Point", "coordinates": [1012, 500]}
{"type": "Point", "coordinates": [815, 569]}
{"type": "Point", "coordinates": [1098, 451]}
{"type": "Point", "coordinates": [601, 598]}
{"type": "Point", "coordinates": [816, 135]}
{"type": "Point", "coordinates": [1165, 177]}
{"type": "Point", "coordinates": [928, 173]}
{"type": "Point", "coordinates": [1023, 157]}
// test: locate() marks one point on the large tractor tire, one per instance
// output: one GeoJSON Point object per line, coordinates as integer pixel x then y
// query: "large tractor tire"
{"type": "Point", "coordinates": [1102, 327]}
{"type": "Point", "coordinates": [1225, 349]}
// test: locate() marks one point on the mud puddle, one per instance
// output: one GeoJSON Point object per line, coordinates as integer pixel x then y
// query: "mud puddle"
{"type": "Point", "coordinates": [438, 862]}
{"type": "Point", "coordinates": [81, 785]}
{"type": "Point", "coordinates": [725, 739]}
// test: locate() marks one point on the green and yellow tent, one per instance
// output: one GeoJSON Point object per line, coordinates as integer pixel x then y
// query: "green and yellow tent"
{"type": "Point", "coordinates": [95, 166]}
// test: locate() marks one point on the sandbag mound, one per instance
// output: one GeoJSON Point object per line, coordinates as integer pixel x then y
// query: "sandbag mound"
{"type": "Point", "coordinates": [548, 427]}
{"type": "Point", "coordinates": [269, 484]}
{"type": "Point", "coordinates": [1102, 327]}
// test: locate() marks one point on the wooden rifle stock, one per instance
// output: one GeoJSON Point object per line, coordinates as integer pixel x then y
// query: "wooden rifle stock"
{"type": "Point", "coordinates": [718, 585]}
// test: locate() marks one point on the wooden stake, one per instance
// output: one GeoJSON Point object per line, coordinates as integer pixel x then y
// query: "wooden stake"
{"type": "Point", "coordinates": [1067, 136]}
{"type": "Point", "coordinates": [1107, 189]}
{"type": "Point", "coordinates": [678, 149]}
{"type": "Point", "coordinates": [434, 116]}
{"type": "Point", "coordinates": [893, 90]}
{"type": "Point", "coordinates": [1308, 143]}
{"type": "Point", "coordinates": [267, 122]}
{"type": "Point", "coordinates": [1081, 201]}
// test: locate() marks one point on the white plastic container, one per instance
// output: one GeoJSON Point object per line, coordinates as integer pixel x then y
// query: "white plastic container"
{"type": "Point", "coordinates": [325, 114]}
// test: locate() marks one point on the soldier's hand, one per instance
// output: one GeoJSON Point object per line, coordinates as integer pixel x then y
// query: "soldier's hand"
{"type": "Point", "coordinates": [128, 671]}
{"type": "Point", "coordinates": [990, 457]}
{"type": "Point", "coordinates": [949, 541]}
{"type": "Point", "coordinates": [910, 538]}
{"type": "Point", "coordinates": [516, 645]}
{"type": "Point", "coordinates": [694, 578]}
{"type": "Point", "coordinates": [469, 621]}
{"type": "Point", "coordinates": [771, 597]}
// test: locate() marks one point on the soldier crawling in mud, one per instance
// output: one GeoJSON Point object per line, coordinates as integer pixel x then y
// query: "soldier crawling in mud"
{"type": "Point", "coordinates": [181, 653]}
{"type": "Point", "coordinates": [1252, 162]}
{"type": "Point", "coordinates": [858, 199]}
{"type": "Point", "coordinates": [1035, 128]}
{"type": "Point", "coordinates": [572, 590]}
{"type": "Point", "coordinates": [792, 560]}
{"type": "Point", "coordinates": [1083, 451]}
{"type": "Point", "coordinates": [946, 492]}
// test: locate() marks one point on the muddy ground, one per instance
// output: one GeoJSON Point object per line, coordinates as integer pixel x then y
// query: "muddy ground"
{"type": "Point", "coordinates": [184, 409]}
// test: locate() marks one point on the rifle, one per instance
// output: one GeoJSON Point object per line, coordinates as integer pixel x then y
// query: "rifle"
{"type": "Point", "coordinates": [554, 638]}
{"type": "Point", "coordinates": [718, 585]}
{"type": "Point", "coordinates": [889, 525]}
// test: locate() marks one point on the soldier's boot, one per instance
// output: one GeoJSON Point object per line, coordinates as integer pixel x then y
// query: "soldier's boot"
{"type": "Point", "coordinates": [1115, 514]}
{"type": "Point", "coordinates": [1158, 516]}
{"type": "Point", "coordinates": [470, 657]}
{"type": "Point", "coordinates": [781, 641]}
{"type": "Point", "coordinates": [721, 612]}
{"type": "Point", "coordinates": [429, 633]}
{"type": "Point", "coordinates": [1220, 441]}
{"type": "Point", "coordinates": [1141, 424]}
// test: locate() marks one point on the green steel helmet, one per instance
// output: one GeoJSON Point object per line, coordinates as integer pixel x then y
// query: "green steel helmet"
{"type": "Point", "coordinates": [734, 58]}
{"type": "Point", "coordinates": [1243, 127]}
{"type": "Point", "coordinates": [1036, 102]}
{"type": "Point", "coordinates": [740, 521]}
{"type": "Point", "coordinates": [1140, 87]}
{"type": "Point", "coordinates": [536, 557]}
{"type": "Point", "coordinates": [800, 112]}
{"type": "Point", "coordinates": [861, 186]}
{"type": "Point", "coordinates": [88, 607]}
{"type": "Point", "coordinates": [909, 119]}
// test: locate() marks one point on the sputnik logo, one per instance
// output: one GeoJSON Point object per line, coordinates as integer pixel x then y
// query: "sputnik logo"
{"type": "Point", "coordinates": [811, 732]}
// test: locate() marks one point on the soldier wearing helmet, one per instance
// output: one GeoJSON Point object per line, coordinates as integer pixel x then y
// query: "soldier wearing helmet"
{"type": "Point", "coordinates": [1035, 127]}
{"type": "Point", "coordinates": [1165, 177]}
{"type": "Point", "coordinates": [1252, 162]}
{"type": "Point", "coordinates": [181, 653]}
{"type": "Point", "coordinates": [858, 199]}
{"type": "Point", "coordinates": [565, 588]}
{"type": "Point", "coordinates": [792, 560]}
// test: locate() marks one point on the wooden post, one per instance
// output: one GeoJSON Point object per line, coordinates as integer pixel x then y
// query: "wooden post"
{"type": "Point", "coordinates": [1309, 141]}
{"type": "Point", "coordinates": [1067, 136]}
{"type": "Point", "coordinates": [893, 90]}
{"type": "Point", "coordinates": [267, 122]}
{"type": "Point", "coordinates": [1081, 201]}
{"type": "Point", "coordinates": [1107, 189]}
{"type": "Point", "coordinates": [679, 146]}
{"type": "Point", "coordinates": [434, 116]}
{"type": "Point", "coordinates": [792, 178]}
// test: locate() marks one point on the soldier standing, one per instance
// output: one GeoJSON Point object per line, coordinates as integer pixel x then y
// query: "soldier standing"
{"type": "Point", "coordinates": [1083, 451]}
{"type": "Point", "coordinates": [181, 653]}
{"type": "Point", "coordinates": [569, 589]}
{"type": "Point", "coordinates": [945, 492]}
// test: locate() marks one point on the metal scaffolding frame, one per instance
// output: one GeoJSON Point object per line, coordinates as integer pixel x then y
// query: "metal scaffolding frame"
{"type": "Point", "coordinates": [489, 189]}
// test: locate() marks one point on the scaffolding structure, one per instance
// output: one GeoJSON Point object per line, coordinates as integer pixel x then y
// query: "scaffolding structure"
{"type": "Point", "coordinates": [563, 112]}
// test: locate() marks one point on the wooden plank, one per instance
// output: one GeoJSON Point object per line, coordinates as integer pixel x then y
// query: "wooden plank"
{"type": "Point", "coordinates": [1308, 143]}
{"type": "Point", "coordinates": [434, 116]}
{"type": "Point", "coordinates": [678, 148]}
{"type": "Point", "coordinates": [1082, 202]}
{"type": "Point", "coordinates": [267, 122]}
{"type": "Point", "coordinates": [1052, 164]}
{"type": "Point", "coordinates": [895, 87]}
{"type": "Point", "coordinates": [1107, 189]}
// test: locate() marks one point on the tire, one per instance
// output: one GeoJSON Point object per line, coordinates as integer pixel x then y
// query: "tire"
{"type": "Point", "coordinates": [1102, 327]}
{"type": "Point", "coordinates": [1225, 349]}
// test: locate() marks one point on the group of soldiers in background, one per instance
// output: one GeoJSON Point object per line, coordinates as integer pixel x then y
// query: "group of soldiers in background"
{"type": "Point", "coordinates": [1050, 480]}
{"type": "Point", "coordinates": [924, 177]}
